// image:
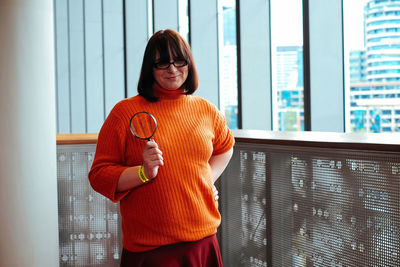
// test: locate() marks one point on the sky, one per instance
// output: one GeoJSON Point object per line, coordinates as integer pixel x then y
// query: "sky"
{"type": "Point", "coordinates": [287, 21]}
{"type": "Point", "coordinates": [353, 24]}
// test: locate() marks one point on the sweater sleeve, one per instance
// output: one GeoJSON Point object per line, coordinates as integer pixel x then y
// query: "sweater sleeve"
{"type": "Point", "coordinates": [223, 137]}
{"type": "Point", "coordinates": [108, 163]}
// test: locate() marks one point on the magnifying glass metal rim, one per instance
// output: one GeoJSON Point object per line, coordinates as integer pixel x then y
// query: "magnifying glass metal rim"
{"type": "Point", "coordinates": [134, 134]}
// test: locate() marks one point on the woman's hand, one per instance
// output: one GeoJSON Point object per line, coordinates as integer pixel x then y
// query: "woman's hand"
{"type": "Point", "coordinates": [152, 159]}
{"type": "Point", "coordinates": [215, 193]}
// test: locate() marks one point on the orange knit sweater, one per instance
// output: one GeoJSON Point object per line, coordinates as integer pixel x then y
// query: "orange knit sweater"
{"type": "Point", "coordinates": [178, 205]}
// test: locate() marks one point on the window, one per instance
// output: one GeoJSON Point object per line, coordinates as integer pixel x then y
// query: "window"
{"type": "Point", "coordinates": [287, 65]}
{"type": "Point", "coordinates": [378, 65]}
{"type": "Point", "coordinates": [183, 18]}
{"type": "Point", "coordinates": [228, 62]}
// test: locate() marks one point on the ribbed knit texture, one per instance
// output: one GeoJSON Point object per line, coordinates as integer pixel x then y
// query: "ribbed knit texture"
{"type": "Point", "coordinates": [178, 205]}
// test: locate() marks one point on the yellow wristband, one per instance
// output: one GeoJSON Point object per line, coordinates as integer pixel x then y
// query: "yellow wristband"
{"type": "Point", "coordinates": [142, 176]}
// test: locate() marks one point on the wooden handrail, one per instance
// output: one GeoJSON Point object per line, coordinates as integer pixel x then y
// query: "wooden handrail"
{"type": "Point", "coordinates": [360, 141]}
{"type": "Point", "coordinates": [76, 139]}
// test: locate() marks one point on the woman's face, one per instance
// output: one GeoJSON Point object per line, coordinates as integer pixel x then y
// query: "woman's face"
{"type": "Point", "coordinates": [171, 77]}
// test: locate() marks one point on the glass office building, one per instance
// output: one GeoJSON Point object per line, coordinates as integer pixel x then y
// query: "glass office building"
{"type": "Point", "coordinates": [289, 83]}
{"type": "Point", "coordinates": [375, 72]}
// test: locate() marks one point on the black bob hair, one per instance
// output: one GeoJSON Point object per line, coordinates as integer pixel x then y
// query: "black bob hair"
{"type": "Point", "coordinates": [165, 42]}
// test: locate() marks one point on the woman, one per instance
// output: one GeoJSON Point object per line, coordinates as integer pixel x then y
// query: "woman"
{"type": "Point", "coordinates": [165, 186]}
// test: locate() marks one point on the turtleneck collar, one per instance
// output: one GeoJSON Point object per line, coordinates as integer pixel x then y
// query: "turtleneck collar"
{"type": "Point", "coordinates": [168, 94]}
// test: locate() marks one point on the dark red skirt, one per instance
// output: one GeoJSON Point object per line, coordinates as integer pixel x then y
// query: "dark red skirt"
{"type": "Point", "coordinates": [202, 253]}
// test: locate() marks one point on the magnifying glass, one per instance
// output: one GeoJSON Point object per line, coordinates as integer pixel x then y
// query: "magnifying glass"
{"type": "Point", "coordinates": [143, 125]}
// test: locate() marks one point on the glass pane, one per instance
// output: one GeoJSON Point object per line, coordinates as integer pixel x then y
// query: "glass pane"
{"type": "Point", "coordinates": [372, 65]}
{"type": "Point", "coordinates": [149, 18]}
{"type": "Point", "coordinates": [183, 19]}
{"type": "Point", "coordinates": [287, 65]}
{"type": "Point", "coordinates": [228, 61]}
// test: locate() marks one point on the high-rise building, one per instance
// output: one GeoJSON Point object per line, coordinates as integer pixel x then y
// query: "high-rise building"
{"type": "Point", "coordinates": [375, 107]}
{"type": "Point", "coordinates": [290, 85]}
{"type": "Point", "coordinates": [382, 40]}
{"type": "Point", "coordinates": [375, 72]}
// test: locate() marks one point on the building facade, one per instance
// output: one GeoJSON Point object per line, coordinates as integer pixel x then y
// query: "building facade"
{"type": "Point", "coordinates": [289, 87]}
{"type": "Point", "coordinates": [375, 72]}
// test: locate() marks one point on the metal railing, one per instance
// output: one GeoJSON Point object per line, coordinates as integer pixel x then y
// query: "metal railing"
{"type": "Point", "coordinates": [286, 199]}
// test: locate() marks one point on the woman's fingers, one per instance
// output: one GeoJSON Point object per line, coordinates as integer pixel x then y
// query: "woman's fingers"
{"type": "Point", "coordinates": [215, 193]}
{"type": "Point", "coordinates": [153, 154]}
{"type": "Point", "coordinates": [152, 151]}
{"type": "Point", "coordinates": [151, 144]}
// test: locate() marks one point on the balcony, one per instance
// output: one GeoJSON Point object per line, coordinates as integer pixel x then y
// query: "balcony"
{"type": "Point", "coordinates": [286, 199]}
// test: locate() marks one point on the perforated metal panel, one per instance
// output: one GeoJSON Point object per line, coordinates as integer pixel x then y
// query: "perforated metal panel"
{"type": "Point", "coordinates": [286, 206]}
{"type": "Point", "coordinates": [281, 206]}
{"type": "Point", "coordinates": [89, 224]}
{"type": "Point", "coordinates": [243, 204]}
